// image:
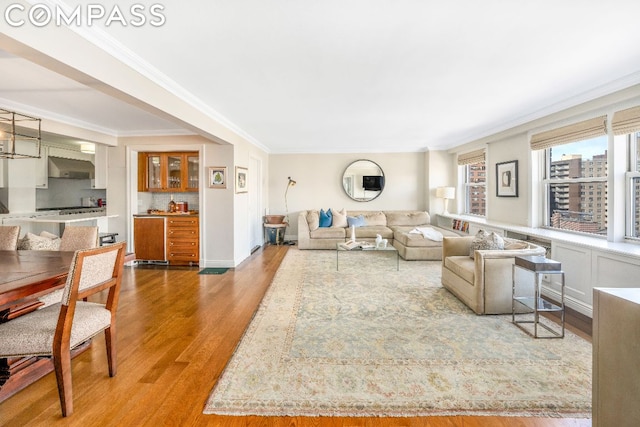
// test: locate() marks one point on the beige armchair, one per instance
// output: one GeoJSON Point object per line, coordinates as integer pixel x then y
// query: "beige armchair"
{"type": "Point", "coordinates": [484, 283]}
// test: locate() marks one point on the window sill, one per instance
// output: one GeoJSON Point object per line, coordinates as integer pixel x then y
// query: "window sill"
{"type": "Point", "coordinates": [620, 248]}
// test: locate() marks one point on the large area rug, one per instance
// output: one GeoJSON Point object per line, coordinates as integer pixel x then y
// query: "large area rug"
{"type": "Point", "coordinates": [372, 341]}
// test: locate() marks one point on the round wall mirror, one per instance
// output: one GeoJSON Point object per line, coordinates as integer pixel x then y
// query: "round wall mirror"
{"type": "Point", "coordinates": [363, 180]}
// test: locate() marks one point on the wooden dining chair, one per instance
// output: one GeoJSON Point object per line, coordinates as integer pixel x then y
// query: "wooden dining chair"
{"type": "Point", "coordinates": [9, 237]}
{"type": "Point", "coordinates": [79, 237]}
{"type": "Point", "coordinates": [57, 329]}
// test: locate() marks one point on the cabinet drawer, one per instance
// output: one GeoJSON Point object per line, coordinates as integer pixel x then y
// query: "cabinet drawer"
{"type": "Point", "coordinates": [174, 244]}
{"type": "Point", "coordinates": [177, 222]}
{"type": "Point", "coordinates": [182, 255]}
{"type": "Point", "coordinates": [182, 233]}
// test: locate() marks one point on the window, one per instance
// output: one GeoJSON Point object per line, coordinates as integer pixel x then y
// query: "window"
{"type": "Point", "coordinates": [475, 185]}
{"type": "Point", "coordinates": [576, 186]}
{"type": "Point", "coordinates": [633, 182]}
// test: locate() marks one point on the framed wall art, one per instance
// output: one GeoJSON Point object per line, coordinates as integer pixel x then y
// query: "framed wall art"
{"type": "Point", "coordinates": [217, 177]}
{"type": "Point", "coordinates": [241, 179]}
{"type": "Point", "coordinates": [507, 179]}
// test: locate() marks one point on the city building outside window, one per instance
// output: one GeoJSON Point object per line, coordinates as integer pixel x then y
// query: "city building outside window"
{"type": "Point", "coordinates": [475, 188]}
{"type": "Point", "coordinates": [576, 183]}
{"type": "Point", "coordinates": [633, 183]}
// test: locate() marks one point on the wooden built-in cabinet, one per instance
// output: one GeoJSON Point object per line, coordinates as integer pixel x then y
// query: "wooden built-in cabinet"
{"type": "Point", "coordinates": [168, 172]}
{"type": "Point", "coordinates": [149, 238]}
{"type": "Point", "coordinates": [167, 238]}
{"type": "Point", "coordinates": [183, 243]}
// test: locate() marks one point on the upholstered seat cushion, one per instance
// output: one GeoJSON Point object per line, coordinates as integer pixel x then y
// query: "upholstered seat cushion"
{"type": "Point", "coordinates": [370, 232]}
{"type": "Point", "coordinates": [32, 334]}
{"type": "Point", "coordinates": [417, 240]}
{"type": "Point", "coordinates": [328, 233]}
{"type": "Point", "coordinates": [407, 218]}
{"type": "Point", "coordinates": [463, 266]}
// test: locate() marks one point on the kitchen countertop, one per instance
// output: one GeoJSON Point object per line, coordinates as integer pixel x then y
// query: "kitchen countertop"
{"type": "Point", "coordinates": [66, 219]}
{"type": "Point", "coordinates": [165, 213]}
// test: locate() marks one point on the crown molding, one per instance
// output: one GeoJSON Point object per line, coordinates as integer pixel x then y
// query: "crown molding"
{"type": "Point", "coordinates": [105, 42]}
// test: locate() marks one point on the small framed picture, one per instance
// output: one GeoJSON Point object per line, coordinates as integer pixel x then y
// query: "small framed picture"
{"type": "Point", "coordinates": [241, 179]}
{"type": "Point", "coordinates": [217, 177]}
{"type": "Point", "coordinates": [507, 179]}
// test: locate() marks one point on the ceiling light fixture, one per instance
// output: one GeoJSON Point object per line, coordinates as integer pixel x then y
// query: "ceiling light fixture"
{"type": "Point", "coordinates": [16, 128]}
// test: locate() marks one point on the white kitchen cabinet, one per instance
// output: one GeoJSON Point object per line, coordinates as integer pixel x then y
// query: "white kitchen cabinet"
{"type": "Point", "coordinates": [42, 168]}
{"type": "Point", "coordinates": [100, 163]}
{"type": "Point", "coordinates": [3, 173]}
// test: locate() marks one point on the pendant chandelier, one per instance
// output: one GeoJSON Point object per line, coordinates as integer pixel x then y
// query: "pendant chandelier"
{"type": "Point", "coordinates": [15, 129]}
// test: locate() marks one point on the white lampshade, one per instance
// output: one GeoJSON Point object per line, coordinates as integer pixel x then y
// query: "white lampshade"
{"type": "Point", "coordinates": [446, 192]}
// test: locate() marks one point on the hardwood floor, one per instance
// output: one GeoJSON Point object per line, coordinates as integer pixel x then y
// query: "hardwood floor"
{"type": "Point", "coordinates": [177, 330]}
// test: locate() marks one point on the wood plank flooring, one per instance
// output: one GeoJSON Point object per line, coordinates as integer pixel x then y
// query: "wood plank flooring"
{"type": "Point", "coordinates": [176, 332]}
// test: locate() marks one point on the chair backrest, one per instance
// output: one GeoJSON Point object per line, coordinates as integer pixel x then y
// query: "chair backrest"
{"type": "Point", "coordinates": [92, 270]}
{"type": "Point", "coordinates": [9, 237]}
{"type": "Point", "coordinates": [75, 238]}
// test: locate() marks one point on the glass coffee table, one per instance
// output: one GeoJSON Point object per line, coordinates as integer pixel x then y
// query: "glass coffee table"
{"type": "Point", "coordinates": [367, 247]}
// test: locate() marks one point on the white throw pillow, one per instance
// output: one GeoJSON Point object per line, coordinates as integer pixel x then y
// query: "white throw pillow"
{"type": "Point", "coordinates": [313, 219]}
{"type": "Point", "coordinates": [339, 218]}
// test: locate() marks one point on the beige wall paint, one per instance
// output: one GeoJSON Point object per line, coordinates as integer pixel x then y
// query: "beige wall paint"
{"type": "Point", "coordinates": [319, 183]}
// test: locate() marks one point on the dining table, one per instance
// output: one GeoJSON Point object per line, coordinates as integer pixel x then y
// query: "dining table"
{"type": "Point", "coordinates": [25, 276]}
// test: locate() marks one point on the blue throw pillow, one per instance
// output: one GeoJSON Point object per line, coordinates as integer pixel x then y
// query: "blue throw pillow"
{"type": "Point", "coordinates": [358, 221]}
{"type": "Point", "coordinates": [326, 218]}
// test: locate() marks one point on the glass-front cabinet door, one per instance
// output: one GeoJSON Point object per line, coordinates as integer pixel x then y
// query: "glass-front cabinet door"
{"type": "Point", "coordinates": [193, 172]}
{"type": "Point", "coordinates": [174, 171]}
{"type": "Point", "coordinates": [169, 172]}
{"type": "Point", "coordinates": [154, 172]}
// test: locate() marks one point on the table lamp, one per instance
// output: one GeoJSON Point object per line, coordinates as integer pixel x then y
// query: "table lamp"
{"type": "Point", "coordinates": [446, 193]}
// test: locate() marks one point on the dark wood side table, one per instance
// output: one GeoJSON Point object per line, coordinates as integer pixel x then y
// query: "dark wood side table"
{"type": "Point", "coordinates": [534, 302]}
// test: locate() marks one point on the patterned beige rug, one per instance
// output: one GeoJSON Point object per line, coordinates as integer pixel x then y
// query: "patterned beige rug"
{"type": "Point", "coordinates": [371, 341]}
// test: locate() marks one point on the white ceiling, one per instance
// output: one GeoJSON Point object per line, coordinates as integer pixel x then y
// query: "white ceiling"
{"type": "Point", "coordinates": [357, 76]}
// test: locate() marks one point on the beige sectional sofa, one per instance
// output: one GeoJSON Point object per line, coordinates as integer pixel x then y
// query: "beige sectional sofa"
{"type": "Point", "coordinates": [395, 226]}
{"type": "Point", "coordinates": [483, 283]}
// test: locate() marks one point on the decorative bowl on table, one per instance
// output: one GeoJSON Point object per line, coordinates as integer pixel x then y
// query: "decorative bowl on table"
{"type": "Point", "coordinates": [274, 219]}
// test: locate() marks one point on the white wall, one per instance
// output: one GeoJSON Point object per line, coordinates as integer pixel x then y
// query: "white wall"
{"type": "Point", "coordinates": [319, 183]}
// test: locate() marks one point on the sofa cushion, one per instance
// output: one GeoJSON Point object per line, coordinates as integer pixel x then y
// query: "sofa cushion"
{"type": "Point", "coordinates": [375, 218]}
{"type": "Point", "coordinates": [370, 231]}
{"type": "Point", "coordinates": [313, 219]}
{"type": "Point", "coordinates": [485, 241]}
{"type": "Point", "coordinates": [325, 218]}
{"type": "Point", "coordinates": [413, 239]}
{"type": "Point", "coordinates": [407, 218]}
{"type": "Point", "coordinates": [339, 218]}
{"type": "Point", "coordinates": [402, 235]}
{"type": "Point", "coordinates": [515, 245]}
{"type": "Point", "coordinates": [462, 266]}
{"type": "Point", "coordinates": [356, 221]}
{"type": "Point", "coordinates": [328, 233]}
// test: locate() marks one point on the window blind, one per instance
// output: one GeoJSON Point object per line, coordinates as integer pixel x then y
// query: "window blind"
{"type": "Point", "coordinates": [626, 121]}
{"type": "Point", "coordinates": [580, 131]}
{"type": "Point", "coordinates": [471, 157]}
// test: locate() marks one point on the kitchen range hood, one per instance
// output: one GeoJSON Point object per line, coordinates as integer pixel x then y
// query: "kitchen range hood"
{"type": "Point", "coordinates": [70, 168]}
